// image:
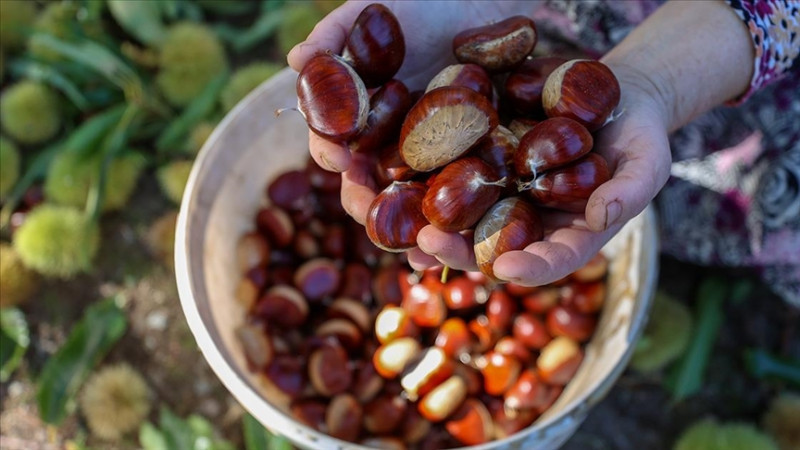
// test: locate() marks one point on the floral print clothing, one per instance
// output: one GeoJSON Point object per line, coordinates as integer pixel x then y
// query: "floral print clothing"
{"type": "Point", "coordinates": [733, 198]}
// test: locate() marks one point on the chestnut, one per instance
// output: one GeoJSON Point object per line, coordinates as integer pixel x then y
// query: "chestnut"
{"type": "Point", "coordinates": [434, 132]}
{"type": "Point", "coordinates": [585, 298]}
{"type": "Point", "coordinates": [497, 149]}
{"type": "Point", "coordinates": [305, 245]}
{"type": "Point", "coordinates": [583, 90]}
{"type": "Point", "coordinates": [309, 412]}
{"type": "Point", "coordinates": [541, 300]}
{"type": "Point", "coordinates": [523, 86]}
{"type": "Point", "coordinates": [558, 361]}
{"type": "Point", "coordinates": [414, 427]}
{"type": "Point", "coordinates": [424, 303]}
{"type": "Point", "coordinates": [352, 310]}
{"type": "Point", "coordinates": [322, 180]}
{"type": "Point", "coordinates": [564, 321]}
{"type": "Point", "coordinates": [328, 370]}
{"type": "Point", "coordinates": [471, 424]}
{"type": "Point", "coordinates": [431, 368]}
{"type": "Point", "coordinates": [252, 250]}
{"type": "Point", "coordinates": [551, 143]}
{"type": "Point", "coordinates": [514, 348]}
{"type": "Point", "coordinates": [510, 224]}
{"type": "Point", "coordinates": [484, 334]}
{"type": "Point", "coordinates": [391, 167]}
{"type": "Point", "coordinates": [531, 331]}
{"type": "Point", "coordinates": [568, 188]}
{"type": "Point", "coordinates": [443, 400]}
{"type": "Point", "coordinates": [384, 414]}
{"type": "Point", "coordinates": [500, 310]}
{"type": "Point", "coordinates": [521, 125]}
{"type": "Point", "coordinates": [471, 376]}
{"type": "Point", "coordinates": [283, 306]}
{"type": "Point", "coordinates": [388, 108]}
{"type": "Point", "coordinates": [461, 293]}
{"type": "Point", "coordinates": [317, 278]}
{"type": "Point", "coordinates": [527, 393]}
{"type": "Point", "coordinates": [454, 337]}
{"type": "Point", "coordinates": [394, 322]}
{"type": "Point", "coordinates": [257, 347]}
{"type": "Point", "coordinates": [499, 372]}
{"type": "Point", "coordinates": [287, 373]}
{"type": "Point", "coordinates": [390, 359]}
{"type": "Point", "coordinates": [497, 47]}
{"type": "Point", "coordinates": [470, 76]}
{"type": "Point", "coordinates": [508, 422]}
{"type": "Point", "coordinates": [461, 193]}
{"type": "Point", "coordinates": [332, 98]}
{"type": "Point", "coordinates": [395, 217]}
{"type": "Point", "coordinates": [366, 383]}
{"type": "Point", "coordinates": [386, 286]}
{"type": "Point", "coordinates": [356, 282]}
{"type": "Point", "coordinates": [290, 190]}
{"type": "Point", "coordinates": [343, 417]}
{"type": "Point", "coordinates": [344, 331]}
{"type": "Point", "coordinates": [594, 270]}
{"type": "Point", "coordinates": [275, 223]}
{"type": "Point", "coordinates": [375, 45]}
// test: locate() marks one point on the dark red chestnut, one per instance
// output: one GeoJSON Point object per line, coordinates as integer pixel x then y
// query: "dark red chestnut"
{"type": "Point", "coordinates": [497, 149]}
{"type": "Point", "coordinates": [551, 143]}
{"type": "Point", "coordinates": [471, 424]}
{"type": "Point", "coordinates": [391, 167]}
{"type": "Point", "coordinates": [395, 216]}
{"type": "Point", "coordinates": [462, 293]}
{"type": "Point", "coordinates": [497, 47]}
{"type": "Point", "coordinates": [332, 98]}
{"type": "Point", "coordinates": [283, 306]}
{"type": "Point", "coordinates": [290, 190]}
{"type": "Point", "coordinates": [461, 194]}
{"type": "Point", "coordinates": [511, 224]}
{"type": "Point", "coordinates": [531, 331]}
{"type": "Point", "coordinates": [375, 46]}
{"type": "Point", "coordinates": [317, 278]}
{"type": "Point", "coordinates": [563, 321]}
{"type": "Point", "coordinates": [444, 124]}
{"type": "Point", "coordinates": [568, 188]}
{"type": "Point", "coordinates": [523, 87]}
{"type": "Point", "coordinates": [388, 107]}
{"type": "Point", "coordinates": [466, 75]}
{"type": "Point", "coordinates": [583, 90]}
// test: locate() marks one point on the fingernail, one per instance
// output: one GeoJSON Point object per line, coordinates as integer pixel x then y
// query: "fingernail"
{"type": "Point", "coordinates": [613, 211]}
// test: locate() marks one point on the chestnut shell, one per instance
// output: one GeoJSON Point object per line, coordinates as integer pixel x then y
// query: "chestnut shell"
{"type": "Point", "coordinates": [583, 90]}
{"type": "Point", "coordinates": [497, 47]}
{"type": "Point", "coordinates": [375, 46]}
{"type": "Point", "coordinates": [395, 216]}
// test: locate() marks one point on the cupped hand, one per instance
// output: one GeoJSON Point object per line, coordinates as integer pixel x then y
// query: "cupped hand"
{"type": "Point", "coordinates": [636, 147]}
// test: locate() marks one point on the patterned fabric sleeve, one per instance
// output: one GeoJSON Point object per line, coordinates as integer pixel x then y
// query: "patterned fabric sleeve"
{"type": "Point", "coordinates": [775, 28]}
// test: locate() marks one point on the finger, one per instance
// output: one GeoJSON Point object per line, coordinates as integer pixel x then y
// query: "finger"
{"type": "Point", "coordinates": [358, 188]}
{"type": "Point", "coordinates": [419, 260]}
{"type": "Point", "coordinates": [451, 249]}
{"type": "Point", "coordinates": [561, 253]}
{"type": "Point", "coordinates": [328, 34]}
{"type": "Point", "coordinates": [640, 173]}
{"type": "Point", "coordinates": [328, 155]}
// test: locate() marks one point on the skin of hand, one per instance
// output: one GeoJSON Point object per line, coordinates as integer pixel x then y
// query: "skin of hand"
{"type": "Point", "coordinates": [663, 86]}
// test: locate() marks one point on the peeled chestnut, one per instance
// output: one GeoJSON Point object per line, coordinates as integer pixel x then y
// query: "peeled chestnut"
{"type": "Point", "coordinates": [568, 188]}
{"type": "Point", "coordinates": [583, 90]}
{"type": "Point", "coordinates": [551, 143]}
{"type": "Point", "coordinates": [395, 216]}
{"type": "Point", "coordinates": [466, 75]}
{"type": "Point", "coordinates": [332, 98]}
{"type": "Point", "coordinates": [510, 224]}
{"type": "Point", "coordinates": [388, 108]}
{"type": "Point", "coordinates": [443, 125]}
{"type": "Point", "coordinates": [496, 47]}
{"type": "Point", "coordinates": [461, 194]}
{"type": "Point", "coordinates": [523, 86]}
{"type": "Point", "coordinates": [375, 46]}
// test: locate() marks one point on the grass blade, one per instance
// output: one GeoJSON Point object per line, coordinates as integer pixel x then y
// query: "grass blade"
{"type": "Point", "coordinates": [14, 340]}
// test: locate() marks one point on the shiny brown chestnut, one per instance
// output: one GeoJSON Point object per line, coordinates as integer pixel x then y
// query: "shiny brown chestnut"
{"type": "Point", "coordinates": [343, 417]}
{"type": "Point", "coordinates": [499, 372]}
{"type": "Point", "coordinates": [558, 361]}
{"type": "Point", "coordinates": [471, 424]}
{"type": "Point", "coordinates": [523, 86]}
{"type": "Point", "coordinates": [375, 45]}
{"type": "Point", "coordinates": [386, 285]}
{"type": "Point", "coordinates": [527, 393]}
{"type": "Point", "coordinates": [290, 190]}
{"type": "Point", "coordinates": [287, 374]}
{"type": "Point", "coordinates": [551, 143]}
{"type": "Point", "coordinates": [565, 321]}
{"type": "Point", "coordinates": [356, 282]}
{"type": "Point", "coordinates": [510, 224]}
{"type": "Point", "coordinates": [531, 331]}
{"type": "Point", "coordinates": [352, 310]}
{"type": "Point", "coordinates": [366, 382]}
{"type": "Point", "coordinates": [252, 251]}
{"type": "Point", "coordinates": [583, 90]}
{"type": "Point", "coordinates": [282, 305]}
{"type": "Point", "coordinates": [424, 303]}
{"type": "Point", "coordinates": [454, 337]}
{"type": "Point", "coordinates": [585, 298]}
{"type": "Point", "coordinates": [395, 217]}
{"type": "Point", "coordinates": [344, 331]}
{"type": "Point", "coordinates": [500, 310]}
{"type": "Point", "coordinates": [485, 335]}
{"type": "Point", "coordinates": [514, 348]}
{"type": "Point", "coordinates": [429, 370]}
{"type": "Point", "coordinates": [329, 371]}
{"type": "Point", "coordinates": [541, 300]}
{"type": "Point", "coordinates": [569, 187]}
{"type": "Point", "coordinates": [317, 278]}
{"type": "Point", "coordinates": [461, 193]}
{"type": "Point", "coordinates": [470, 76]}
{"type": "Point", "coordinates": [443, 400]}
{"type": "Point", "coordinates": [388, 107]}
{"type": "Point", "coordinates": [497, 149]}
{"type": "Point", "coordinates": [462, 293]}
{"type": "Point", "coordinates": [332, 98]}
{"type": "Point", "coordinates": [391, 167]}
{"type": "Point", "coordinates": [384, 414]}
{"type": "Point", "coordinates": [434, 134]}
{"type": "Point", "coordinates": [321, 179]}
{"type": "Point", "coordinates": [497, 47]}
{"type": "Point", "coordinates": [275, 223]}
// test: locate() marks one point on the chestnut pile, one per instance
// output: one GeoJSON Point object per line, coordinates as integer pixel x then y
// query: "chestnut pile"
{"type": "Point", "coordinates": [492, 143]}
{"type": "Point", "coordinates": [354, 344]}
